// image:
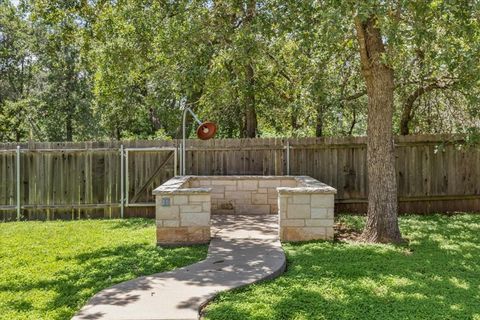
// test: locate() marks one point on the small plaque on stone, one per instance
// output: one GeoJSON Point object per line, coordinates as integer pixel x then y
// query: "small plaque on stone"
{"type": "Point", "coordinates": [165, 202]}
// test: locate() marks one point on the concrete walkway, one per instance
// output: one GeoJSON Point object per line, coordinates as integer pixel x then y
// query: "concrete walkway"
{"type": "Point", "coordinates": [244, 249]}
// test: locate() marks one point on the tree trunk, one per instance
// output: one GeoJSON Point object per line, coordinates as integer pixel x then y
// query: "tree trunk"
{"type": "Point", "coordinates": [404, 121]}
{"type": "Point", "coordinates": [118, 133]}
{"type": "Point", "coordinates": [250, 112]}
{"type": "Point", "coordinates": [250, 129]}
{"type": "Point", "coordinates": [382, 221]}
{"type": "Point", "coordinates": [69, 127]}
{"type": "Point", "coordinates": [319, 124]}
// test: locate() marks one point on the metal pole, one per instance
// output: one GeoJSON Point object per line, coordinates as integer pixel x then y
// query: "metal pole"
{"type": "Point", "coordinates": [182, 172]}
{"type": "Point", "coordinates": [288, 158]}
{"type": "Point", "coordinates": [184, 121]}
{"type": "Point", "coordinates": [180, 158]}
{"type": "Point", "coordinates": [18, 184]}
{"type": "Point", "coordinates": [175, 163]}
{"type": "Point", "coordinates": [126, 178]}
{"type": "Point", "coordinates": [122, 193]}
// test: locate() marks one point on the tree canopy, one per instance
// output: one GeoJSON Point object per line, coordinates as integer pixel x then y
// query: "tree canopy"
{"type": "Point", "coordinates": [105, 69]}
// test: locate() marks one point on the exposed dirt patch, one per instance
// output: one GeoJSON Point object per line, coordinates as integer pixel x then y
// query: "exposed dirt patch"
{"type": "Point", "coordinates": [345, 233]}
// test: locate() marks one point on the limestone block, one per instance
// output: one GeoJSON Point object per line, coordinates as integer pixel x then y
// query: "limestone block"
{"type": "Point", "coordinates": [182, 235]}
{"type": "Point", "coordinates": [292, 222]}
{"type": "Point", "coordinates": [171, 223]}
{"type": "Point", "coordinates": [198, 234]}
{"type": "Point", "coordinates": [331, 213]}
{"type": "Point", "coordinates": [301, 198]}
{"type": "Point", "coordinates": [282, 201]}
{"type": "Point", "coordinates": [194, 183]}
{"type": "Point", "coordinates": [320, 213]}
{"type": "Point", "coordinates": [322, 200]}
{"type": "Point", "coordinates": [298, 211]}
{"type": "Point", "coordinates": [192, 219]}
{"type": "Point", "coordinates": [282, 206]}
{"type": "Point", "coordinates": [247, 185]}
{"type": "Point", "coordinates": [272, 201]}
{"type": "Point", "coordinates": [288, 183]}
{"type": "Point", "coordinates": [204, 182]}
{"type": "Point", "coordinates": [272, 192]}
{"type": "Point", "coordinates": [199, 198]}
{"type": "Point", "coordinates": [166, 212]}
{"type": "Point", "coordinates": [273, 196]}
{"type": "Point", "coordinates": [329, 233]}
{"type": "Point", "coordinates": [238, 195]}
{"type": "Point", "coordinates": [302, 233]}
{"type": "Point", "coordinates": [180, 199]}
{"type": "Point", "coordinates": [269, 183]}
{"type": "Point", "coordinates": [191, 208]}
{"type": "Point", "coordinates": [291, 233]}
{"type": "Point", "coordinates": [216, 182]}
{"type": "Point", "coordinates": [315, 233]}
{"type": "Point", "coordinates": [217, 195]}
{"type": "Point", "coordinates": [319, 222]}
{"type": "Point", "coordinates": [259, 198]}
{"type": "Point", "coordinates": [218, 189]}
{"type": "Point", "coordinates": [206, 206]}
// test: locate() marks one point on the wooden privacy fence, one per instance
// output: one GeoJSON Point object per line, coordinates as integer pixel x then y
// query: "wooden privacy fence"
{"type": "Point", "coordinates": [89, 179]}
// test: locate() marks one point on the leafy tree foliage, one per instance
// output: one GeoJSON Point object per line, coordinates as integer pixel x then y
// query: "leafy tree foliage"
{"type": "Point", "coordinates": [104, 69]}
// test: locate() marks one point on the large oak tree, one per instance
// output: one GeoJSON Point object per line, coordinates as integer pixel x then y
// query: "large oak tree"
{"type": "Point", "coordinates": [382, 222]}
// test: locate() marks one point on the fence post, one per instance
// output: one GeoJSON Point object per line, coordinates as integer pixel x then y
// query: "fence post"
{"type": "Point", "coordinates": [127, 183]}
{"type": "Point", "coordinates": [182, 161]}
{"type": "Point", "coordinates": [18, 184]}
{"type": "Point", "coordinates": [122, 191]}
{"type": "Point", "coordinates": [288, 157]}
{"type": "Point", "coordinates": [175, 162]}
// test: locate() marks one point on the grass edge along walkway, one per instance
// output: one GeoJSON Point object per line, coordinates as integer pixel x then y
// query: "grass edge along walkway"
{"type": "Point", "coordinates": [50, 269]}
{"type": "Point", "coordinates": [436, 276]}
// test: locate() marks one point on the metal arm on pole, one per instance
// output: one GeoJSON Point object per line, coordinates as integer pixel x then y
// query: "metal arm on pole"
{"type": "Point", "coordinates": [184, 121]}
{"type": "Point", "coordinates": [206, 130]}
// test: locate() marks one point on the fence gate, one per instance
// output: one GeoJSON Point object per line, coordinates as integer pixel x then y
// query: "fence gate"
{"type": "Point", "coordinates": [146, 169]}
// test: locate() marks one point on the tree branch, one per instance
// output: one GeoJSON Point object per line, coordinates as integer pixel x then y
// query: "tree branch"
{"type": "Point", "coordinates": [408, 111]}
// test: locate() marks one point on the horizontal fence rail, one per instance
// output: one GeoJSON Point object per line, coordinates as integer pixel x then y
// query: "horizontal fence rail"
{"type": "Point", "coordinates": [115, 179]}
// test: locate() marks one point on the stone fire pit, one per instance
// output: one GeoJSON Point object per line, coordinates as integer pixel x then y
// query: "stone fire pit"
{"type": "Point", "coordinates": [184, 205]}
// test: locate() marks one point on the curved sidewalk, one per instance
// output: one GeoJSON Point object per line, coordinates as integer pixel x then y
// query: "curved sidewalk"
{"type": "Point", "coordinates": [243, 250]}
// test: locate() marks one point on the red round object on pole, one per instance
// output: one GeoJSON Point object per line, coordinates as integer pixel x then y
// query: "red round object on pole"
{"type": "Point", "coordinates": [206, 130]}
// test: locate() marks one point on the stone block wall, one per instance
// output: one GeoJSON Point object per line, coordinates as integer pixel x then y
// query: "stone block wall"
{"type": "Point", "coordinates": [184, 205]}
{"type": "Point", "coordinates": [243, 194]}
{"type": "Point", "coordinates": [305, 216]}
{"type": "Point", "coordinates": [182, 215]}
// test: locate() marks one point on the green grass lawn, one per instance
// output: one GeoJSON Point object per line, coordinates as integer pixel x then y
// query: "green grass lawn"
{"type": "Point", "coordinates": [437, 276]}
{"type": "Point", "coordinates": [48, 270]}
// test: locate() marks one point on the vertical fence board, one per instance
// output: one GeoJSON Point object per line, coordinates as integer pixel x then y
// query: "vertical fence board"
{"type": "Point", "coordinates": [73, 180]}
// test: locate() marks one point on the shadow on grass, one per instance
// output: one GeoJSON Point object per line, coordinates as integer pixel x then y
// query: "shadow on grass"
{"type": "Point", "coordinates": [98, 269]}
{"type": "Point", "coordinates": [435, 277]}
